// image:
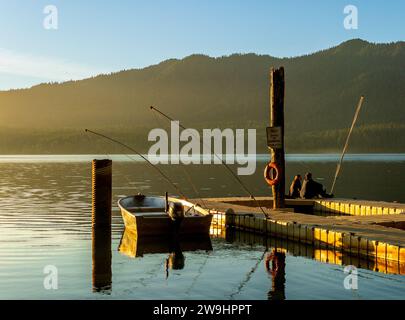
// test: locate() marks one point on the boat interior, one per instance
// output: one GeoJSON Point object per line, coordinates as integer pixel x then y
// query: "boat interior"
{"type": "Point", "coordinates": [153, 206]}
{"type": "Point", "coordinates": [143, 204]}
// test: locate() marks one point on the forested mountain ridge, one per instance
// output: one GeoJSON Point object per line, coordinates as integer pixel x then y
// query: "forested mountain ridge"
{"type": "Point", "coordinates": [322, 90]}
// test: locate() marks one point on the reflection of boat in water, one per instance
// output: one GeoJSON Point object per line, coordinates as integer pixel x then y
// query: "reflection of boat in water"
{"type": "Point", "coordinates": [157, 216]}
{"type": "Point", "coordinates": [133, 245]}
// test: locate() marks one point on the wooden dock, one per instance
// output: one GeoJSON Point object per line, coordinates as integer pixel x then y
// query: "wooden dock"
{"type": "Point", "coordinates": [365, 228]}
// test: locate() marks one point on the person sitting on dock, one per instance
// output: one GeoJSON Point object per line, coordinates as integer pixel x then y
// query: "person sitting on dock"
{"type": "Point", "coordinates": [295, 187]}
{"type": "Point", "coordinates": [312, 189]}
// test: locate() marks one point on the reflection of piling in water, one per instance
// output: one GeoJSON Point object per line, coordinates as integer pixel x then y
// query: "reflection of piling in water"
{"type": "Point", "coordinates": [101, 224]}
{"type": "Point", "coordinates": [275, 265]}
{"type": "Point", "coordinates": [101, 248]}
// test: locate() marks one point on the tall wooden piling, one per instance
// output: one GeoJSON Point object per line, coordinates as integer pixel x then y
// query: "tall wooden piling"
{"type": "Point", "coordinates": [101, 193]}
{"type": "Point", "coordinates": [277, 121]}
{"type": "Point", "coordinates": [101, 224]}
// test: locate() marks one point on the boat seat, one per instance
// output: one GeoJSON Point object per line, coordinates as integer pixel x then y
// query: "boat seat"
{"type": "Point", "coordinates": [146, 209]}
{"type": "Point", "coordinates": [153, 215]}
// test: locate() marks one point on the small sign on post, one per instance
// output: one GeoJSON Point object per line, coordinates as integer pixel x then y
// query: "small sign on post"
{"type": "Point", "coordinates": [274, 137]}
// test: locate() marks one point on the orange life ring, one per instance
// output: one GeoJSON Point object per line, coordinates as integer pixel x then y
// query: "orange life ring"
{"type": "Point", "coordinates": [272, 181]}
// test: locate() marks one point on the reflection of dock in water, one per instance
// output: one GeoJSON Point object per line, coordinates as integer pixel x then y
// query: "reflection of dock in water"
{"type": "Point", "coordinates": [133, 246]}
{"type": "Point", "coordinates": [315, 252]}
{"type": "Point", "coordinates": [364, 233]}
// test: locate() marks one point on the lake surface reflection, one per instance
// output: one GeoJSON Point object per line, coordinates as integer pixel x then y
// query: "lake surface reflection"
{"type": "Point", "coordinates": [45, 219]}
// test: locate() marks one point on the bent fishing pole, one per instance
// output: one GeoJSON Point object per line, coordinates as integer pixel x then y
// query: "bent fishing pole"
{"type": "Point", "coordinates": [339, 166]}
{"type": "Point", "coordinates": [142, 156]}
{"type": "Point", "coordinates": [222, 161]}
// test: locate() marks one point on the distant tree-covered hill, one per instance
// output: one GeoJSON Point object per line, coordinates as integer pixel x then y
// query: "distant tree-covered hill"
{"type": "Point", "coordinates": [322, 90]}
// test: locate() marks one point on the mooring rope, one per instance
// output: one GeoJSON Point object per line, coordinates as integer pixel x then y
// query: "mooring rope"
{"type": "Point", "coordinates": [222, 161]}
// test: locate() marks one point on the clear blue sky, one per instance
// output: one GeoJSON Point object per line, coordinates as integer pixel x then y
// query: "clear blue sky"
{"type": "Point", "coordinates": [104, 36]}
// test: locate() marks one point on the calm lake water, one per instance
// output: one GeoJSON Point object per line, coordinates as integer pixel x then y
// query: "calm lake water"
{"type": "Point", "coordinates": [45, 219]}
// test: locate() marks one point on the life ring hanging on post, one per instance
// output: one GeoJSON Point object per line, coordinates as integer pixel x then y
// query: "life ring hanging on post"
{"type": "Point", "coordinates": [275, 180]}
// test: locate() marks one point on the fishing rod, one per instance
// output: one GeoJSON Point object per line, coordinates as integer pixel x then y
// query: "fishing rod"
{"type": "Point", "coordinates": [143, 157]}
{"type": "Point", "coordinates": [248, 276]}
{"type": "Point", "coordinates": [346, 143]}
{"type": "Point", "coordinates": [222, 161]}
{"type": "Point", "coordinates": [188, 176]}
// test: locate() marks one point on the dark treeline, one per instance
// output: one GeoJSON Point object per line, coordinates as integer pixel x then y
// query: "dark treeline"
{"type": "Point", "coordinates": [374, 138]}
{"type": "Point", "coordinates": [322, 90]}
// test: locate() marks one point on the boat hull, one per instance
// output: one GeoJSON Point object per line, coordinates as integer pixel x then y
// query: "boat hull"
{"type": "Point", "coordinates": [162, 225]}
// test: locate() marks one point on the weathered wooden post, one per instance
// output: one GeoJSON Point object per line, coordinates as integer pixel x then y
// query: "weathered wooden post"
{"type": "Point", "coordinates": [275, 134]}
{"type": "Point", "coordinates": [101, 224]}
{"type": "Point", "coordinates": [101, 193]}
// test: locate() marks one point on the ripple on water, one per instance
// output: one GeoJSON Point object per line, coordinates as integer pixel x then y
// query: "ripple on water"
{"type": "Point", "coordinates": [45, 219]}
